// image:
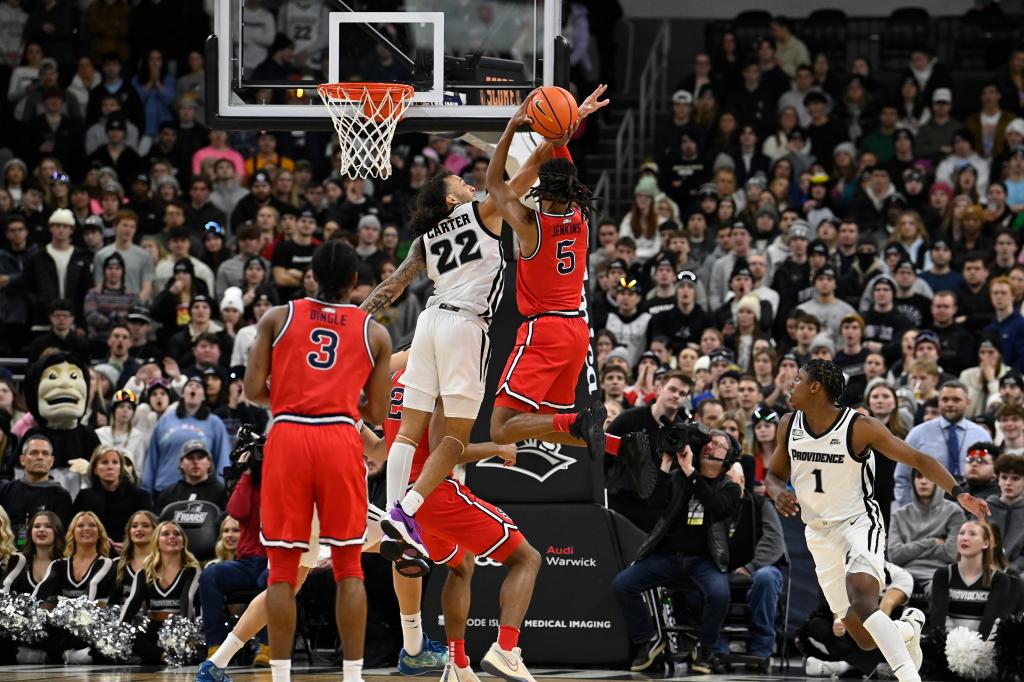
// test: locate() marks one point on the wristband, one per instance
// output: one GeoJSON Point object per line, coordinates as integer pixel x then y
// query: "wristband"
{"type": "Point", "coordinates": [957, 491]}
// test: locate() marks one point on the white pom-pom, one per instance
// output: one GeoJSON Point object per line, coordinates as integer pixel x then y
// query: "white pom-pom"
{"type": "Point", "coordinates": [968, 655]}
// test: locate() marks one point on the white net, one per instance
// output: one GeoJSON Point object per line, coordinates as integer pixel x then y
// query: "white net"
{"type": "Point", "coordinates": [365, 116]}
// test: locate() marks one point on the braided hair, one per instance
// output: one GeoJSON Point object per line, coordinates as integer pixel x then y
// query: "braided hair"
{"type": "Point", "coordinates": [558, 182]}
{"type": "Point", "coordinates": [431, 204]}
{"type": "Point", "coordinates": [829, 375]}
{"type": "Point", "coordinates": [335, 264]}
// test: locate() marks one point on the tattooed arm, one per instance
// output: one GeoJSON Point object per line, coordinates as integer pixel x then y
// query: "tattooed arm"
{"type": "Point", "coordinates": [392, 287]}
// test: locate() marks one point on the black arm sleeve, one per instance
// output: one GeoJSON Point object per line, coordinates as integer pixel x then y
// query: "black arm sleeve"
{"type": "Point", "coordinates": [138, 595]}
{"type": "Point", "coordinates": [940, 597]}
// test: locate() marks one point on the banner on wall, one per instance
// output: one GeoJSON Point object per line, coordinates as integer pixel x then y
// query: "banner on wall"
{"type": "Point", "coordinates": [574, 618]}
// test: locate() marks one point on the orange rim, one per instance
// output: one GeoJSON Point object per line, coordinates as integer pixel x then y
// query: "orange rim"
{"type": "Point", "coordinates": [378, 92]}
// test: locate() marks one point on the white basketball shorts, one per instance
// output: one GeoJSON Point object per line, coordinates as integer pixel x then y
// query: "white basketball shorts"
{"type": "Point", "coordinates": [855, 545]}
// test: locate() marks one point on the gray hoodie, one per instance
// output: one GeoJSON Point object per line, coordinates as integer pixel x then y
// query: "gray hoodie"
{"type": "Point", "coordinates": [1010, 519]}
{"type": "Point", "coordinates": [912, 533]}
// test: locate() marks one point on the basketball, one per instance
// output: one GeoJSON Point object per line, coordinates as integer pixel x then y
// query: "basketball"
{"type": "Point", "coordinates": [552, 112]}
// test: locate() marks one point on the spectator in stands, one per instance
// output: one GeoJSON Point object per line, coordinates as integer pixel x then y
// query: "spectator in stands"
{"type": "Point", "coordinates": [191, 419]}
{"type": "Point", "coordinates": [756, 552]}
{"type": "Point", "coordinates": [138, 266]}
{"type": "Point", "coordinates": [61, 334]}
{"type": "Point", "coordinates": [113, 83]}
{"type": "Point", "coordinates": [790, 51]}
{"type": "Point", "coordinates": [96, 134]}
{"type": "Point", "coordinates": [685, 170]}
{"type": "Point", "coordinates": [828, 309]}
{"type": "Point", "coordinates": [1008, 322]}
{"type": "Point", "coordinates": [973, 592]}
{"type": "Point", "coordinates": [115, 153]}
{"type": "Point", "coordinates": [121, 433]}
{"type": "Point", "coordinates": [754, 97]}
{"type": "Point", "coordinates": [686, 321]}
{"type": "Point", "coordinates": [666, 144]}
{"type": "Point", "coordinates": [988, 126]}
{"type": "Point", "coordinates": [259, 196]}
{"type": "Point", "coordinates": [921, 534]}
{"type": "Point", "coordinates": [884, 325]}
{"type": "Point", "coordinates": [627, 321]}
{"type": "Point", "coordinates": [946, 439]}
{"type": "Point", "coordinates": [198, 480]}
{"type": "Point", "coordinates": [925, 68]}
{"type": "Point", "coordinates": [963, 153]}
{"type": "Point", "coordinates": [58, 271]}
{"type": "Point", "coordinates": [933, 139]}
{"type": "Point", "coordinates": [227, 191]}
{"type": "Point", "coordinates": [111, 495]}
{"type": "Point", "coordinates": [200, 210]}
{"type": "Point", "coordinates": [677, 548]}
{"type": "Point", "coordinates": [156, 86]}
{"type": "Point", "coordinates": [14, 307]}
{"type": "Point", "coordinates": [980, 478]}
{"type": "Point", "coordinates": [36, 490]}
{"type": "Point", "coordinates": [108, 304]}
{"type": "Point", "coordinates": [1006, 507]}
{"type": "Point", "coordinates": [179, 243]}
{"type": "Point", "coordinates": [218, 149]}
{"type": "Point", "coordinates": [1010, 419]}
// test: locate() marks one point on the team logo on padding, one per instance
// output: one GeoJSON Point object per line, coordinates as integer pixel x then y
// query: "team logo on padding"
{"type": "Point", "coordinates": [534, 458]}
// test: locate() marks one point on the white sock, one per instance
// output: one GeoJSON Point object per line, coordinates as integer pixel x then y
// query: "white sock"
{"type": "Point", "coordinates": [352, 671]}
{"type": "Point", "coordinates": [411, 502]}
{"type": "Point", "coordinates": [281, 671]}
{"type": "Point", "coordinates": [905, 628]}
{"type": "Point", "coordinates": [399, 467]}
{"type": "Point", "coordinates": [412, 633]}
{"type": "Point", "coordinates": [228, 649]}
{"type": "Point", "coordinates": [890, 642]}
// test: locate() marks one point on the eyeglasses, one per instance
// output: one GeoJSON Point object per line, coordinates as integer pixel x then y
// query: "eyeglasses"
{"type": "Point", "coordinates": [763, 414]}
{"type": "Point", "coordinates": [977, 456]}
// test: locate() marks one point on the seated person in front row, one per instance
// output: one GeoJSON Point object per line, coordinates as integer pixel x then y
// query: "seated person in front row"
{"type": "Point", "coordinates": [1008, 509]}
{"type": "Point", "coordinates": [756, 551]}
{"type": "Point", "coordinates": [690, 540]}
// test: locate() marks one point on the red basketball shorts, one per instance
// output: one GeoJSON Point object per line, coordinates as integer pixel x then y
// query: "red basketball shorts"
{"type": "Point", "coordinates": [542, 372]}
{"type": "Point", "coordinates": [454, 521]}
{"type": "Point", "coordinates": [305, 464]}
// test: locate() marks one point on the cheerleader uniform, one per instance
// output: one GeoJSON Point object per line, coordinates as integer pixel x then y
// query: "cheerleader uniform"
{"type": "Point", "coordinates": [60, 581]}
{"type": "Point", "coordinates": [181, 597]}
{"type": "Point", "coordinates": [10, 570]}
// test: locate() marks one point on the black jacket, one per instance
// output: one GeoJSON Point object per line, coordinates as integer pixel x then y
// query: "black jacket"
{"type": "Point", "coordinates": [679, 327]}
{"type": "Point", "coordinates": [756, 540]}
{"type": "Point", "coordinates": [42, 287]}
{"type": "Point", "coordinates": [113, 508]}
{"type": "Point", "coordinates": [719, 497]}
{"type": "Point", "coordinates": [210, 490]}
{"type": "Point", "coordinates": [958, 348]}
{"type": "Point", "coordinates": [21, 500]}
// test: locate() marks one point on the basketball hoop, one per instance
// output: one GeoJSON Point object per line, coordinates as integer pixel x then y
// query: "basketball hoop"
{"type": "Point", "coordinates": [365, 116]}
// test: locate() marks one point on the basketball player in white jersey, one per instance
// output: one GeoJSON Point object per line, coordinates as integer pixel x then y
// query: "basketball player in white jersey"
{"type": "Point", "coordinates": [458, 242]}
{"type": "Point", "coordinates": [828, 452]}
{"type": "Point", "coordinates": [305, 22]}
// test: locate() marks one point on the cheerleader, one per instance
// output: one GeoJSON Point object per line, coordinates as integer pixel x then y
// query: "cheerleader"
{"type": "Point", "coordinates": [86, 570]}
{"type": "Point", "coordinates": [227, 542]}
{"type": "Point", "coordinates": [43, 545]}
{"type": "Point", "coordinates": [168, 585]}
{"type": "Point", "coordinates": [138, 545]}
{"type": "Point", "coordinates": [12, 563]}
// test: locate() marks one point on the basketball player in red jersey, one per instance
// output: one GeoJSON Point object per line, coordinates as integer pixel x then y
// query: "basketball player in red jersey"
{"type": "Point", "coordinates": [457, 527]}
{"type": "Point", "coordinates": [541, 374]}
{"type": "Point", "coordinates": [318, 355]}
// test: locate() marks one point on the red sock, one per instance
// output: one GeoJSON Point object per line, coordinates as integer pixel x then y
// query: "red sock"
{"type": "Point", "coordinates": [562, 422]}
{"type": "Point", "coordinates": [457, 652]}
{"type": "Point", "coordinates": [611, 444]}
{"type": "Point", "coordinates": [508, 637]}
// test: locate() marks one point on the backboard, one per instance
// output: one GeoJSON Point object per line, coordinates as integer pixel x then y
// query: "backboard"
{"type": "Point", "coordinates": [470, 61]}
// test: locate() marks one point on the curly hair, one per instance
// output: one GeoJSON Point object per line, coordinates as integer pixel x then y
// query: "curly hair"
{"type": "Point", "coordinates": [558, 182]}
{"type": "Point", "coordinates": [431, 204]}
{"type": "Point", "coordinates": [829, 375]}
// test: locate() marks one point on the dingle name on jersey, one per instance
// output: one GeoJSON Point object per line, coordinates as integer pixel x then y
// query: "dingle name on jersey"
{"type": "Point", "coordinates": [328, 316]}
{"type": "Point", "coordinates": [449, 225]}
{"type": "Point", "coordinates": [567, 227]}
{"type": "Point", "coordinates": [818, 457]}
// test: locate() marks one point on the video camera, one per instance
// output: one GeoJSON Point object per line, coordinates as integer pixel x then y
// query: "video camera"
{"type": "Point", "coordinates": [247, 440]}
{"type": "Point", "coordinates": [674, 437]}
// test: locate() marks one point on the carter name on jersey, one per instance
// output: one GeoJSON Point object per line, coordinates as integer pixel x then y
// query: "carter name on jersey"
{"type": "Point", "coordinates": [817, 457]}
{"type": "Point", "coordinates": [448, 225]}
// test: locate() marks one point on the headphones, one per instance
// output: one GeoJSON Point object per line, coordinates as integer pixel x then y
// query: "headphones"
{"type": "Point", "coordinates": [732, 455]}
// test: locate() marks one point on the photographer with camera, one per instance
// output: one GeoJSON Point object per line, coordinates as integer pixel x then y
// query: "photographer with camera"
{"type": "Point", "coordinates": [667, 409]}
{"type": "Point", "coordinates": [690, 540]}
{"type": "Point", "coordinates": [248, 571]}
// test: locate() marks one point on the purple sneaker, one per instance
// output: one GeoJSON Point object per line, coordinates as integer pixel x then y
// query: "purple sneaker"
{"type": "Point", "coordinates": [403, 528]}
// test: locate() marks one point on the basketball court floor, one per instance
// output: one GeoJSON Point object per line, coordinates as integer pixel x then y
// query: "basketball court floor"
{"type": "Point", "coordinates": [96, 673]}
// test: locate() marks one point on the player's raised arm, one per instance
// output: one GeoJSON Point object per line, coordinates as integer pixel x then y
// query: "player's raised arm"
{"type": "Point", "coordinates": [393, 286]}
{"type": "Point", "coordinates": [378, 386]}
{"type": "Point", "coordinates": [868, 432]}
{"type": "Point", "coordinates": [777, 478]}
{"type": "Point", "coordinates": [504, 197]}
{"type": "Point", "coordinates": [257, 371]}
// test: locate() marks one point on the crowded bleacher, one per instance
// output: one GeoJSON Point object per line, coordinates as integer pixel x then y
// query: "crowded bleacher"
{"type": "Point", "coordinates": [792, 206]}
